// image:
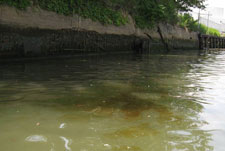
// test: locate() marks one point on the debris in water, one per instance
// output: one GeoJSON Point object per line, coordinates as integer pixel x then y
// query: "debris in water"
{"type": "Point", "coordinates": [62, 125]}
{"type": "Point", "coordinates": [108, 146]}
{"type": "Point", "coordinates": [67, 143]}
{"type": "Point", "coordinates": [36, 138]}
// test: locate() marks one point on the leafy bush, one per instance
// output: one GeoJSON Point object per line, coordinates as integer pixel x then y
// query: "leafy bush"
{"type": "Point", "coordinates": [187, 21]}
{"type": "Point", "coordinates": [148, 13]}
{"type": "Point", "coordinates": [98, 11]}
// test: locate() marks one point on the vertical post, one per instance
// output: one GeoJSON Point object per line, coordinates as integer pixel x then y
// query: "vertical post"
{"type": "Point", "coordinates": [200, 41]}
{"type": "Point", "coordinates": [199, 19]}
{"type": "Point", "coordinates": [205, 40]}
{"type": "Point", "coordinates": [214, 42]}
{"type": "Point", "coordinates": [208, 24]}
{"type": "Point", "coordinates": [211, 42]}
{"type": "Point", "coordinates": [217, 43]}
{"type": "Point", "coordinates": [220, 42]}
{"type": "Point", "coordinates": [223, 42]}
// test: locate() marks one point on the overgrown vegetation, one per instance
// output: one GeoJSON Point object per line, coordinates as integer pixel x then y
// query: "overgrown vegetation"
{"type": "Point", "coordinates": [146, 13]}
{"type": "Point", "coordinates": [20, 4]}
{"type": "Point", "coordinates": [94, 9]}
{"type": "Point", "coordinates": [187, 21]}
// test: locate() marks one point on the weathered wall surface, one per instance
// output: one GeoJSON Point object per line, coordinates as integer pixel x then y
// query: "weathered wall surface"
{"type": "Point", "coordinates": [42, 42]}
{"type": "Point", "coordinates": [37, 31]}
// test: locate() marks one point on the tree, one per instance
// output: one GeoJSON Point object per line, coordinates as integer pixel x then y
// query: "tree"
{"type": "Point", "coordinates": [185, 5]}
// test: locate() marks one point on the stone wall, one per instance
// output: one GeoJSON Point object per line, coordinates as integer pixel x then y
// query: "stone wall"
{"type": "Point", "coordinates": [41, 42]}
{"type": "Point", "coordinates": [37, 32]}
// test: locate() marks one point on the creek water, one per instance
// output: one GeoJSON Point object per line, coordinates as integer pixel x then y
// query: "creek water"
{"type": "Point", "coordinates": [122, 102]}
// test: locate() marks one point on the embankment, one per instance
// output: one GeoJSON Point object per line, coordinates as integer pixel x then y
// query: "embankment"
{"type": "Point", "coordinates": [36, 32]}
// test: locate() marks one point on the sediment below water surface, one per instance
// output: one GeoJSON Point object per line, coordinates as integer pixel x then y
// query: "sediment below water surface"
{"type": "Point", "coordinates": [115, 103]}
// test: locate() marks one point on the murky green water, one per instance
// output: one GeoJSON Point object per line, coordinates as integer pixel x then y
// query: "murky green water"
{"type": "Point", "coordinates": [120, 103]}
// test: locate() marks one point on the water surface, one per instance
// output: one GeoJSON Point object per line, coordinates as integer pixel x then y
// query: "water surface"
{"type": "Point", "coordinates": [172, 102]}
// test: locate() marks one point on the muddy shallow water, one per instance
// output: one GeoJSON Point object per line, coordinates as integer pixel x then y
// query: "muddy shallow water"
{"type": "Point", "coordinates": [114, 103]}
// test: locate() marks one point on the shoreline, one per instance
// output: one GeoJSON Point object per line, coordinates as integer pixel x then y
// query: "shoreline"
{"type": "Point", "coordinates": [32, 33]}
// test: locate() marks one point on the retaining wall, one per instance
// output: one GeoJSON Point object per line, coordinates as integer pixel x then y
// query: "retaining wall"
{"type": "Point", "coordinates": [37, 32]}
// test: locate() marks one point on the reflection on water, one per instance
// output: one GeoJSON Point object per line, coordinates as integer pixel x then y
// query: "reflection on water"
{"type": "Point", "coordinates": [120, 103]}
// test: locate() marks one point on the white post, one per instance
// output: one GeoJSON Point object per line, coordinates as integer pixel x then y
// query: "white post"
{"type": "Point", "coordinates": [199, 15]}
{"type": "Point", "coordinates": [208, 24]}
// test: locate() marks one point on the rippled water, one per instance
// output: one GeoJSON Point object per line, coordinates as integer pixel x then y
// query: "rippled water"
{"type": "Point", "coordinates": [114, 103]}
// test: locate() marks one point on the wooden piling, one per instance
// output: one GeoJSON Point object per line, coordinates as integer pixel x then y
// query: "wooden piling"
{"type": "Point", "coordinates": [210, 42]}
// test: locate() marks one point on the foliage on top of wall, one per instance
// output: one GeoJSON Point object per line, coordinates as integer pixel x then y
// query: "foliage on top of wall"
{"type": "Point", "coordinates": [93, 9]}
{"type": "Point", "coordinates": [20, 4]}
{"type": "Point", "coordinates": [146, 13]}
